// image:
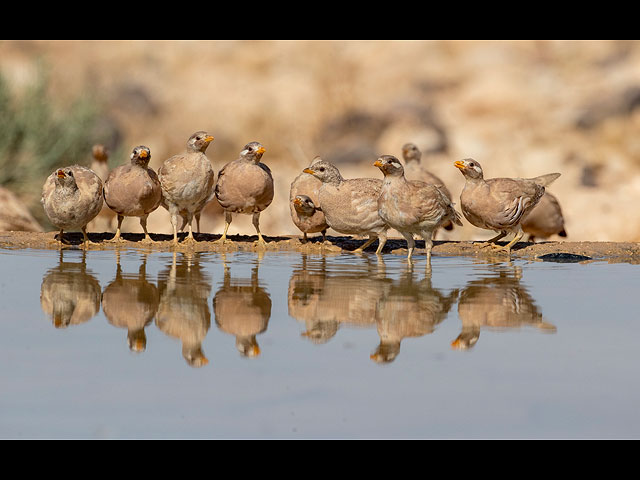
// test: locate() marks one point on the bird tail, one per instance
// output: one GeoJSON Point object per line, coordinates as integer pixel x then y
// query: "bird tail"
{"type": "Point", "coordinates": [545, 180]}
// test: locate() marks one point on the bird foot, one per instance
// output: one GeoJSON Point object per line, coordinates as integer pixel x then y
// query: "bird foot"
{"type": "Point", "coordinates": [147, 241]}
{"type": "Point", "coordinates": [223, 241]}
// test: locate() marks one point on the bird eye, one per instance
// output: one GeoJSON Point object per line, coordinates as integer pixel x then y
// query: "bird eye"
{"type": "Point", "coordinates": [472, 164]}
{"type": "Point", "coordinates": [321, 169]}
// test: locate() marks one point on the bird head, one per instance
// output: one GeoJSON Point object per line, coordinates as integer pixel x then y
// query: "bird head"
{"type": "Point", "coordinates": [304, 205]}
{"type": "Point", "coordinates": [141, 155]}
{"type": "Point", "coordinates": [469, 167]}
{"type": "Point", "coordinates": [100, 153]}
{"type": "Point", "coordinates": [389, 165]}
{"type": "Point", "coordinates": [324, 171]}
{"type": "Point", "coordinates": [65, 177]}
{"type": "Point", "coordinates": [253, 151]}
{"type": "Point", "coordinates": [199, 141]}
{"type": "Point", "coordinates": [410, 152]}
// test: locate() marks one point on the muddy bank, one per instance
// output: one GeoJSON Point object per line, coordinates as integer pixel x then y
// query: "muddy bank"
{"type": "Point", "coordinates": [612, 252]}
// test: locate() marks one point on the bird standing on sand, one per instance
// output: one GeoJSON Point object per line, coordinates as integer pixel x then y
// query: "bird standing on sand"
{"type": "Point", "coordinates": [545, 219]}
{"type": "Point", "coordinates": [499, 204]}
{"type": "Point", "coordinates": [350, 206]}
{"type": "Point", "coordinates": [411, 206]}
{"type": "Point", "coordinates": [106, 219]}
{"type": "Point", "coordinates": [245, 185]}
{"type": "Point", "coordinates": [187, 181]}
{"type": "Point", "coordinates": [133, 190]}
{"type": "Point", "coordinates": [72, 197]}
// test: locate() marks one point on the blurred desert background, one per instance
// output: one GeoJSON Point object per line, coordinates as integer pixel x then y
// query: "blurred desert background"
{"type": "Point", "coordinates": [521, 108]}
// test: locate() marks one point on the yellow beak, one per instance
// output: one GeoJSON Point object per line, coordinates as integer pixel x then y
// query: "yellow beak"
{"type": "Point", "coordinates": [378, 164]}
{"type": "Point", "coordinates": [308, 170]}
{"type": "Point", "coordinates": [261, 150]}
{"type": "Point", "coordinates": [459, 164]}
{"type": "Point", "coordinates": [143, 154]}
{"type": "Point", "coordinates": [208, 139]}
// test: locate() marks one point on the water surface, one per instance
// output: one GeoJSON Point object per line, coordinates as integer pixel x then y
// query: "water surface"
{"type": "Point", "coordinates": [130, 344]}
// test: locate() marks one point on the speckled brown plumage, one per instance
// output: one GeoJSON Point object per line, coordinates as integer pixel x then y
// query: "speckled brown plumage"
{"type": "Point", "coordinates": [350, 206]}
{"type": "Point", "coordinates": [245, 186]}
{"type": "Point", "coordinates": [72, 197]}
{"type": "Point", "coordinates": [133, 190]}
{"type": "Point", "coordinates": [187, 181]}
{"type": "Point", "coordinates": [499, 204]}
{"type": "Point", "coordinates": [411, 206]}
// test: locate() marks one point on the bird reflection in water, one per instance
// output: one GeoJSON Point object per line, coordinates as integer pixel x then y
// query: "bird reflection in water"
{"type": "Point", "coordinates": [183, 310]}
{"type": "Point", "coordinates": [496, 301]}
{"type": "Point", "coordinates": [70, 294]}
{"type": "Point", "coordinates": [409, 308]}
{"type": "Point", "coordinates": [131, 302]}
{"type": "Point", "coordinates": [327, 299]}
{"type": "Point", "coordinates": [242, 308]}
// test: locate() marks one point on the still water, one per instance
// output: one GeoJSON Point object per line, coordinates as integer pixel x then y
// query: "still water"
{"type": "Point", "coordinates": [130, 344]}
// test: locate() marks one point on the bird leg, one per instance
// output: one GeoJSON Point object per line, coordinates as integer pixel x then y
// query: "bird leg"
{"type": "Point", "coordinates": [360, 249]}
{"type": "Point", "coordinates": [382, 239]}
{"type": "Point", "coordinates": [227, 222]}
{"type": "Point", "coordinates": [174, 224]}
{"type": "Point", "coordinates": [304, 237]}
{"type": "Point", "coordinates": [256, 223]}
{"type": "Point", "coordinates": [411, 243]}
{"type": "Point", "coordinates": [496, 238]}
{"type": "Point", "coordinates": [86, 242]}
{"type": "Point", "coordinates": [190, 238]}
{"type": "Point", "coordinates": [60, 241]}
{"type": "Point", "coordinates": [198, 221]}
{"type": "Point", "coordinates": [116, 237]}
{"type": "Point", "coordinates": [143, 224]}
{"type": "Point", "coordinates": [516, 239]}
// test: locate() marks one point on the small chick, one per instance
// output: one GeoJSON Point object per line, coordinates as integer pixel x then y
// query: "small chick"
{"type": "Point", "coordinates": [305, 211]}
{"type": "Point", "coordinates": [245, 185]}
{"type": "Point", "coordinates": [545, 219]}
{"type": "Point", "coordinates": [350, 206]}
{"type": "Point", "coordinates": [411, 206]}
{"type": "Point", "coordinates": [307, 217]}
{"type": "Point", "coordinates": [187, 181]}
{"type": "Point", "coordinates": [133, 190]}
{"type": "Point", "coordinates": [499, 204]}
{"type": "Point", "coordinates": [72, 197]}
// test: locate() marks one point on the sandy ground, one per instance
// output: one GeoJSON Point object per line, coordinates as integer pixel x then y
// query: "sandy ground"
{"type": "Point", "coordinates": [560, 251]}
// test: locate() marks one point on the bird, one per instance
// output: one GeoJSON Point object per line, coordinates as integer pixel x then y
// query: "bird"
{"type": "Point", "coordinates": [350, 206]}
{"type": "Point", "coordinates": [545, 219]}
{"type": "Point", "coordinates": [242, 308]}
{"type": "Point", "coordinates": [187, 181]}
{"type": "Point", "coordinates": [70, 293]}
{"type": "Point", "coordinates": [412, 206]}
{"type": "Point", "coordinates": [304, 205]}
{"type": "Point", "coordinates": [106, 219]}
{"type": "Point", "coordinates": [131, 302]}
{"type": "Point", "coordinates": [183, 309]}
{"type": "Point", "coordinates": [414, 170]}
{"type": "Point", "coordinates": [133, 190]}
{"type": "Point", "coordinates": [499, 204]}
{"type": "Point", "coordinates": [307, 217]}
{"type": "Point", "coordinates": [72, 197]}
{"type": "Point", "coordinates": [245, 185]}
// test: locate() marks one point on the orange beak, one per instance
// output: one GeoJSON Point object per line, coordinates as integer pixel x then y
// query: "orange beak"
{"type": "Point", "coordinates": [143, 154]}
{"type": "Point", "coordinates": [308, 170]}
{"type": "Point", "coordinates": [61, 174]}
{"type": "Point", "coordinates": [261, 150]}
{"type": "Point", "coordinates": [459, 164]}
{"type": "Point", "coordinates": [378, 164]}
{"type": "Point", "coordinates": [297, 201]}
{"type": "Point", "coordinates": [209, 139]}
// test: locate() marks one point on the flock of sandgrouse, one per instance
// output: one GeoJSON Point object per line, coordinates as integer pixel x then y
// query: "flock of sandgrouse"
{"type": "Point", "coordinates": [408, 199]}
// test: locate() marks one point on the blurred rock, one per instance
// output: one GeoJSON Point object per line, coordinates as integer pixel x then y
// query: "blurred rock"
{"type": "Point", "coordinates": [14, 215]}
